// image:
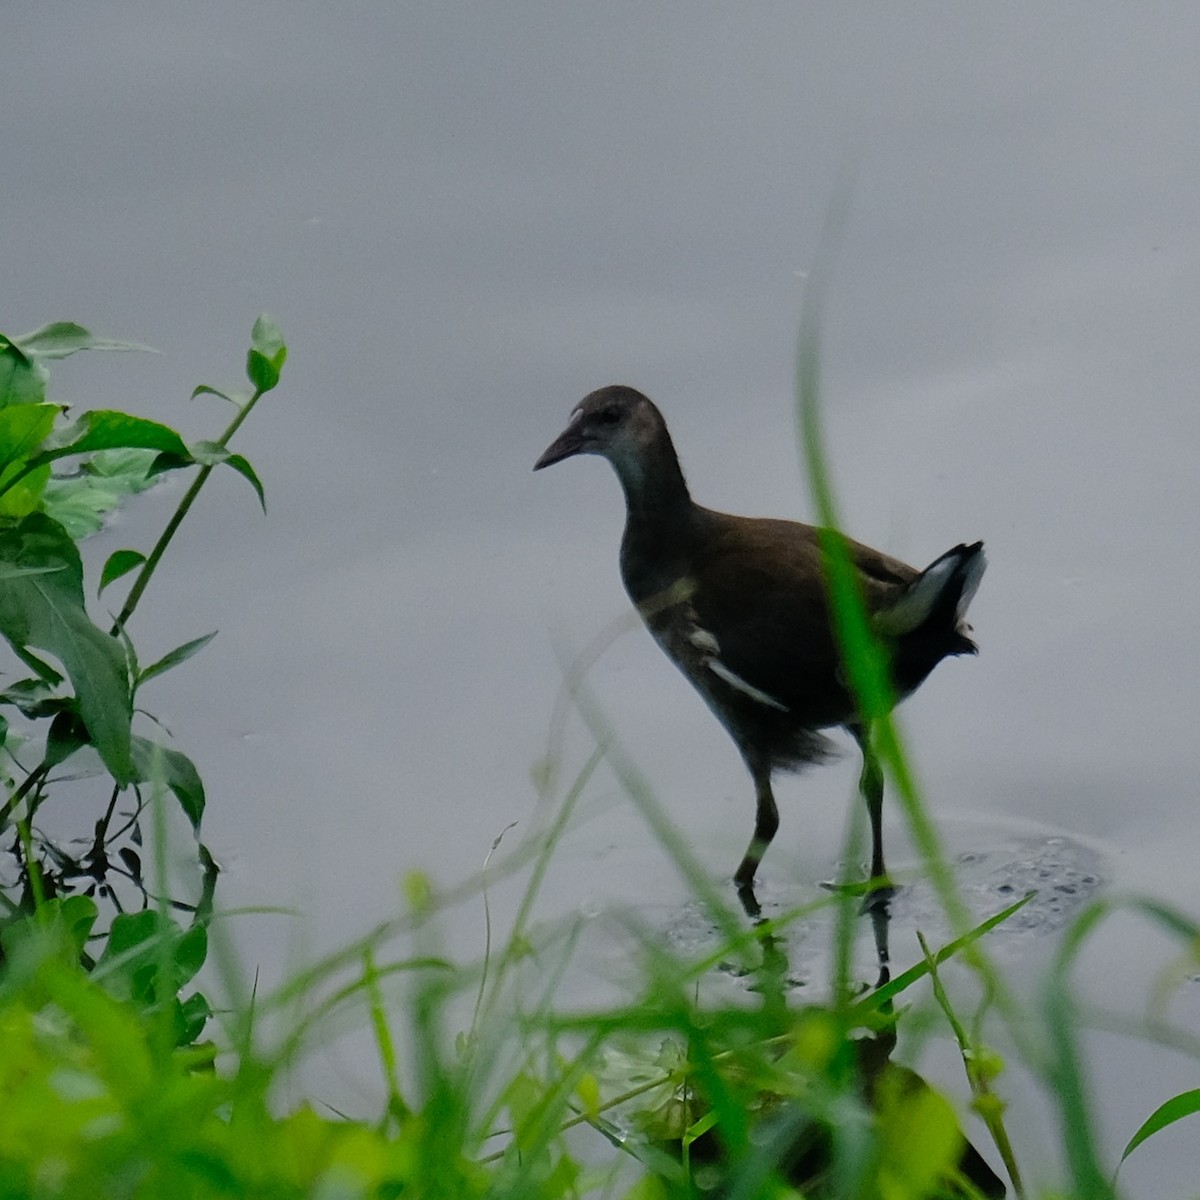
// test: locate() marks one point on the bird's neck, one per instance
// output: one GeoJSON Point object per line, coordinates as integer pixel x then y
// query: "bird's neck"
{"type": "Point", "coordinates": [656, 493]}
{"type": "Point", "coordinates": [660, 522]}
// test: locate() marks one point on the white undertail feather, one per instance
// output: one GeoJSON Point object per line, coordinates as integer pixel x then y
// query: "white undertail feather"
{"type": "Point", "coordinates": [974, 574]}
{"type": "Point", "coordinates": [912, 610]}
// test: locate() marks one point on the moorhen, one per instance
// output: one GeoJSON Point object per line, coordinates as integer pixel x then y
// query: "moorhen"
{"type": "Point", "coordinates": [740, 605]}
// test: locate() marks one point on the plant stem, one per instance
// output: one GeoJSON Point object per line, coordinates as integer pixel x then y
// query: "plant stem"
{"type": "Point", "coordinates": [148, 567]}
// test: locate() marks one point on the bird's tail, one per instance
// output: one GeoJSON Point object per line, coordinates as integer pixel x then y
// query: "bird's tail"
{"type": "Point", "coordinates": [938, 597]}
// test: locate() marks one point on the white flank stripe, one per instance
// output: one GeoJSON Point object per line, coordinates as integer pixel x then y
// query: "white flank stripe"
{"type": "Point", "coordinates": [720, 669]}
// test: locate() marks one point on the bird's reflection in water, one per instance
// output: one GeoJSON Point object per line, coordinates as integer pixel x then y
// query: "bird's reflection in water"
{"type": "Point", "coordinates": [801, 1143]}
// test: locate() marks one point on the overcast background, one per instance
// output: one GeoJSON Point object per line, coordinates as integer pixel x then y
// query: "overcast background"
{"type": "Point", "coordinates": [465, 216]}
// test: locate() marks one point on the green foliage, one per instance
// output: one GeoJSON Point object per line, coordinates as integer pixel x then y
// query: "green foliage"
{"type": "Point", "coordinates": [118, 1079]}
{"type": "Point", "coordinates": [42, 516]}
{"type": "Point", "coordinates": [97, 1104]}
{"type": "Point", "coordinates": [58, 479]}
{"type": "Point", "coordinates": [43, 609]}
{"type": "Point", "coordinates": [1186, 1104]}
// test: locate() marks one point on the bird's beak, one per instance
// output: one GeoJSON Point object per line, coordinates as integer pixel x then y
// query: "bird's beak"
{"type": "Point", "coordinates": [570, 441]}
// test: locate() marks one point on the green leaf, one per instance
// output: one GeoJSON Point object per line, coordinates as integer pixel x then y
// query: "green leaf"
{"type": "Point", "coordinates": [68, 921]}
{"type": "Point", "coordinates": [193, 1014]}
{"type": "Point", "coordinates": [261, 371]}
{"type": "Point", "coordinates": [169, 462]}
{"type": "Point", "coordinates": [8, 571]}
{"type": "Point", "coordinates": [267, 338]}
{"type": "Point", "coordinates": [26, 495]}
{"type": "Point", "coordinates": [104, 429]}
{"type": "Point", "coordinates": [190, 952]}
{"type": "Point", "coordinates": [888, 991]}
{"type": "Point", "coordinates": [236, 398]}
{"type": "Point", "coordinates": [46, 611]}
{"type": "Point", "coordinates": [212, 454]}
{"type": "Point", "coordinates": [42, 669]}
{"type": "Point", "coordinates": [1185, 1104]}
{"type": "Point", "coordinates": [34, 698]}
{"type": "Point", "coordinates": [160, 764]}
{"type": "Point", "coordinates": [126, 469]}
{"type": "Point", "coordinates": [240, 464]}
{"type": "Point", "coordinates": [81, 501]}
{"type": "Point", "coordinates": [23, 428]}
{"type": "Point", "coordinates": [131, 966]}
{"type": "Point", "coordinates": [63, 338]}
{"type": "Point", "coordinates": [22, 379]}
{"type": "Point", "coordinates": [175, 657]}
{"type": "Point", "coordinates": [267, 354]}
{"type": "Point", "coordinates": [120, 562]}
{"type": "Point", "coordinates": [67, 734]}
{"type": "Point", "coordinates": [79, 914]}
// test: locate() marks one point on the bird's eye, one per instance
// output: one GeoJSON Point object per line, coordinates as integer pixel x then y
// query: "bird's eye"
{"type": "Point", "coordinates": [609, 416]}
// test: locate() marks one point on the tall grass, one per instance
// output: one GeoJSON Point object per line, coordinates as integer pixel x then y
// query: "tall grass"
{"type": "Point", "coordinates": [490, 1085]}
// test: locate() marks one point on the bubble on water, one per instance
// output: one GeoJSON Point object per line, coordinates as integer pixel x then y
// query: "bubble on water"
{"type": "Point", "coordinates": [1000, 867]}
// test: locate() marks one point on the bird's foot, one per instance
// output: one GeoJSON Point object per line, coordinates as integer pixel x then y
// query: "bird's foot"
{"type": "Point", "coordinates": [747, 898]}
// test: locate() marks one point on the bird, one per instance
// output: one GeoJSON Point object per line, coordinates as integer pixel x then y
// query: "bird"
{"type": "Point", "coordinates": [740, 605]}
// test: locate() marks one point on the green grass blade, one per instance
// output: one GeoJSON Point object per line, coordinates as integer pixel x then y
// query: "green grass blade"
{"type": "Point", "coordinates": [1186, 1104]}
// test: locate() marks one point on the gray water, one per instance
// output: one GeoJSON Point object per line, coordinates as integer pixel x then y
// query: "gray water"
{"type": "Point", "coordinates": [465, 216]}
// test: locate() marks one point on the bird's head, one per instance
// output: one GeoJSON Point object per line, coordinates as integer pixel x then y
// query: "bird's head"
{"type": "Point", "coordinates": [616, 422]}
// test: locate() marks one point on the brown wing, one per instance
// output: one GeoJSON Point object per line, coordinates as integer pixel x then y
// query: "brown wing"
{"type": "Point", "coordinates": [760, 584]}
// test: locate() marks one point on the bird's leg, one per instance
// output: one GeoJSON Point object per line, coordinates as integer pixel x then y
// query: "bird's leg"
{"type": "Point", "coordinates": [881, 917]}
{"type": "Point", "coordinates": [766, 822]}
{"type": "Point", "coordinates": [870, 784]}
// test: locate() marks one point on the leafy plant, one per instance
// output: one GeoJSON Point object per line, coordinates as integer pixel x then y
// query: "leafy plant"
{"type": "Point", "coordinates": [108, 1090]}
{"type": "Point", "coordinates": [75, 714]}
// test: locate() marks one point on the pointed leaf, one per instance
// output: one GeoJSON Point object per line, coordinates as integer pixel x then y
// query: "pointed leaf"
{"type": "Point", "coordinates": [37, 691]}
{"type": "Point", "coordinates": [104, 429]}
{"type": "Point", "coordinates": [194, 1013]}
{"type": "Point", "coordinates": [133, 862]}
{"type": "Point", "coordinates": [154, 763]}
{"type": "Point", "coordinates": [62, 338]}
{"type": "Point", "coordinates": [242, 466]}
{"type": "Point", "coordinates": [67, 734]}
{"type": "Point", "coordinates": [175, 657]}
{"type": "Point", "coordinates": [1184, 1105]}
{"type": "Point", "coordinates": [46, 611]}
{"type": "Point", "coordinates": [120, 562]}
{"type": "Point", "coordinates": [212, 454]}
{"type": "Point", "coordinates": [235, 398]}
